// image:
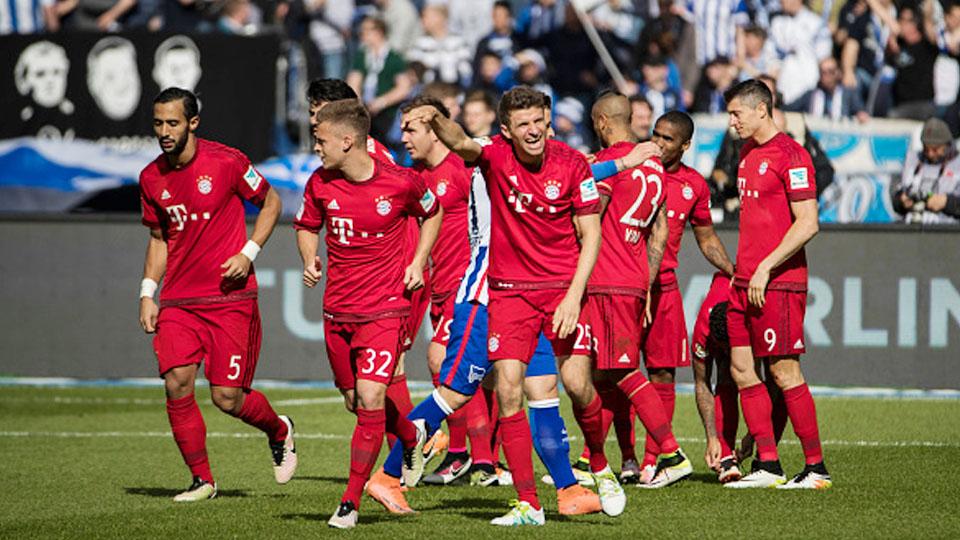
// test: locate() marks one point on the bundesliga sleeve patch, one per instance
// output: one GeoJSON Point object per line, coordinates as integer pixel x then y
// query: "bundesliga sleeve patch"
{"type": "Point", "coordinates": [588, 190]}
{"type": "Point", "coordinates": [426, 202]}
{"type": "Point", "coordinates": [252, 178]}
{"type": "Point", "coordinates": [798, 178]}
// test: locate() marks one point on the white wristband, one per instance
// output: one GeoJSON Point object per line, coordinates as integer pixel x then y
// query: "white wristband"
{"type": "Point", "coordinates": [251, 249]}
{"type": "Point", "coordinates": [148, 288]}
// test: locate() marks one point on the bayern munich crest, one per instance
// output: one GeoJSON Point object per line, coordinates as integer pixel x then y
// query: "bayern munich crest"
{"type": "Point", "coordinates": [687, 192]}
{"type": "Point", "coordinates": [442, 187]}
{"type": "Point", "coordinates": [763, 167]}
{"type": "Point", "coordinates": [383, 205]}
{"type": "Point", "coordinates": [551, 189]}
{"type": "Point", "coordinates": [204, 184]}
{"type": "Point", "coordinates": [493, 343]}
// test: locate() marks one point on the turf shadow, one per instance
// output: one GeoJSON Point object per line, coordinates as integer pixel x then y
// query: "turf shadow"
{"type": "Point", "coordinates": [167, 493]}
{"type": "Point", "coordinates": [703, 478]}
{"type": "Point", "coordinates": [470, 503]}
{"type": "Point", "coordinates": [328, 479]}
{"type": "Point", "coordinates": [364, 518]}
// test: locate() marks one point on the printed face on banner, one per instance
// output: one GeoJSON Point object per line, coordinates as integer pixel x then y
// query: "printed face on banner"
{"type": "Point", "coordinates": [177, 63]}
{"type": "Point", "coordinates": [41, 74]}
{"type": "Point", "coordinates": [113, 78]}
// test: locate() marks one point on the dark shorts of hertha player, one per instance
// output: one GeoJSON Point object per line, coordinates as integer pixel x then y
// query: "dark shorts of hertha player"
{"type": "Point", "coordinates": [225, 337]}
{"type": "Point", "coordinates": [441, 316]}
{"type": "Point", "coordinates": [612, 330]}
{"type": "Point", "coordinates": [666, 344]}
{"type": "Point", "coordinates": [365, 350]}
{"type": "Point", "coordinates": [517, 317]}
{"type": "Point", "coordinates": [776, 329]}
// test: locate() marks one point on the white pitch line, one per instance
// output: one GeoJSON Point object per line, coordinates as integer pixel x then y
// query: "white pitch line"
{"type": "Point", "coordinates": [333, 436]}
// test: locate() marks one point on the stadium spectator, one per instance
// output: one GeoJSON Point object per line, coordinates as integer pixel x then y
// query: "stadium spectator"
{"type": "Point", "coordinates": [801, 40]}
{"type": "Point", "coordinates": [619, 23]}
{"type": "Point", "coordinates": [718, 76]}
{"type": "Point", "coordinates": [185, 16]}
{"type": "Point", "coordinates": [499, 42]}
{"type": "Point", "coordinates": [759, 54]}
{"type": "Point", "coordinates": [446, 56]}
{"type": "Point", "coordinates": [568, 124]}
{"type": "Point", "coordinates": [469, 19]}
{"type": "Point", "coordinates": [329, 28]}
{"type": "Point", "coordinates": [448, 94]}
{"type": "Point", "coordinates": [830, 99]}
{"type": "Point", "coordinates": [571, 51]}
{"type": "Point", "coordinates": [96, 15]}
{"type": "Point", "coordinates": [480, 114]}
{"type": "Point", "coordinates": [235, 18]}
{"type": "Point", "coordinates": [656, 88]}
{"type": "Point", "coordinates": [491, 74]}
{"type": "Point", "coordinates": [929, 189]}
{"type": "Point", "coordinates": [537, 19]}
{"type": "Point", "coordinates": [862, 55]}
{"type": "Point", "coordinates": [404, 23]}
{"type": "Point", "coordinates": [641, 117]}
{"type": "Point", "coordinates": [531, 71]}
{"type": "Point", "coordinates": [912, 54]}
{"type": "Point", "coordinates": [716, 24]}
{"type": "Point", "coordinates": [378, 75]}
{"type": "Point", "coordinates": [43, 17]}
{"type": "Point", "coordinates": [668, 33]}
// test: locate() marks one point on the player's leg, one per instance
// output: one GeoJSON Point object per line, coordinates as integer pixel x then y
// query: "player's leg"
{"type": "Point", "coordinates": [726, 418]}
{"type": "Point", "coordinates": [754, 398]}
{"type": "Point", "coordinates": [233, 348]}
{"type": "Point", "coordinates": [803, 415]}
{"type": "Point", "coordinates": [179, 351]}
{"type": "Point", "coordinates": [777, 402]}
{"type": "Point", "coordinates": [456, 464]}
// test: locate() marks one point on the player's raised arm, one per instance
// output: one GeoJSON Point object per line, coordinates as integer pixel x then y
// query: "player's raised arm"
{"type": "Point", "coordinates": [805, 226]}
{"type": "Point", "coordinates": [568, 311]}
{"type": "Point", "coordinates": [154, 266]}
{"type": "Point", "coordinates": [449, 132]}
{"type": "Point", "coordinates": [712, 248]}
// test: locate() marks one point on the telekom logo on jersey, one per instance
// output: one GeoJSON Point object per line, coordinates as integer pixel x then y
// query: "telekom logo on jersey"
{"type": "Point", "coordinates": [179, 215]}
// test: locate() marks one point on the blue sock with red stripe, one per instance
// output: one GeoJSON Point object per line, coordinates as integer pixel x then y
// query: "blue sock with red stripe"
{"type": "Point", "coordinates": [550, 440]}
{"type": "Point", "coordinates": [432, 410]}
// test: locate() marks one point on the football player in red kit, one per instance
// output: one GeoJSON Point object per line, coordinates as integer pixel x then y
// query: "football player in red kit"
{"type": "Point", "coordinates": [365, 204]}
{"type": "Point", "coordinates": [778, 216]}
{"type": "Point", "coordinates": [192, 200]}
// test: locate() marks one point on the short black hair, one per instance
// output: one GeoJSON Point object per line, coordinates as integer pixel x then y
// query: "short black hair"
{"type": "Point", "coordinates": [752, 92]}
{"type": "Point", "coordinates": [505, 4]}
{"type": "Point", "coordinates": [191, 107]}
{"type": "Point", "coordinates": [326, 90]}
{"type": "Point", "coordinates": [682, 120]}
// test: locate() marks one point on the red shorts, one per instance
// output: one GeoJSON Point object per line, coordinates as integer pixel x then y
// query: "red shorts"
{"type": "Point", "coordinates": [774, 330]}
{"type": "Point", "coordinates": [419, 303]}
{"type": "Point", "coordinates": [516, 319]}
{"type": "Point", "coordinates": [614, 326]}
{"type": "Point", "coordinates": [441, 316]}
{"type": "Point", "coordinates": [364, 350]}
{"type": "Point", "coordinates": [226, 335]}
{"type": "Point", "coordinates": [667, 344]}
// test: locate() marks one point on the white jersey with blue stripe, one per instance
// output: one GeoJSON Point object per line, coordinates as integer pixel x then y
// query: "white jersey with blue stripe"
{"type": "Point", "coordinates": [473, 286]}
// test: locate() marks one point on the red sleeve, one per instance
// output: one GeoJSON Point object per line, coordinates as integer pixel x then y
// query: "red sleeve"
{"type": "Point", "coordinates": [148, 210]}
{"type": "Point", "coordinates": [488, 153]}
{"type": "Point", "coordinates": [310, 216]}
{"type": "Point", "coordinates": [798, 176]}
{"type": "Point", "coordinates": [586, 195]}
{"type": "Point", "coordinates": [421, 201]}
{"type": "Point", "coordinates": [250, 184]}
{"type": "Point", "coordinates": [700, 214]}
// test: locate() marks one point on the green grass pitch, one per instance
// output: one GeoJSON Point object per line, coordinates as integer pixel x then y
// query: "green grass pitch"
{"type": "Point", "coordinates": [100, 463]}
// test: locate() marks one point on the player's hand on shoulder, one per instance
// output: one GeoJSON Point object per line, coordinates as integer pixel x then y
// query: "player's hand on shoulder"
{"type": "Point", "coordinates": [413, 277]}
{"type": "Point", "coordinates": [312, 273]}
{"type": "Point", "coordinates": [566, 315]}
{"type": "Point", "coordinates": [640, 153]}
{"type": "Point", "coordinates": [236, 267]}
{"type": "Point", "coordinates": [148, 314]}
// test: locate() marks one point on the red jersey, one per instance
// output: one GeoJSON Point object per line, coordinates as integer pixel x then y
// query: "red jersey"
{"type": "Point", "coordinates": [635, 195]}
{"type": "Point", "coordinates": [688, 199]}
{"type": "Point", "coordinates": [450, 180]}
{"type": "Point", "coordinates": [533, 244]}
{"type": "Point", "coordinates": [704, 345]}
{"type": "Point", "coordinates": [366, 230]}
{"type": "Point", "coordinates": [770, 177]}
{"type": "Point", "coordinates": [199, 208]}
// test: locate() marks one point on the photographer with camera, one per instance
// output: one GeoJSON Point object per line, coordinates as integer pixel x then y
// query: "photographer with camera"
{"type": "Point", "coordinates": [929, 190]}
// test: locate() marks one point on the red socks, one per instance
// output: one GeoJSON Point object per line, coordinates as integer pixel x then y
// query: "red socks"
{"type": "Point", "coordinates": [479, 429]}
{"type": "Point", "coordinates": [398, 406]}
{"type": "Point", "coordinates": [364, 450]}
{"type": "Point", "coordinates": [649, 409]}
{"type": "Point", "coordinates": [726, 412]}
{"type": "Point", "coordinates": [516, 430]}
{"type": "Point", "coordinates": [668, 397]}
{"type": "Point", "coordinates": [803, 416]}
{"type": "Point", "coordinates": [778, 412]}
{"type": "Point", "coordinates": [190, 433]}
{"type": "Point", "coordinates": [257, 412]}
{"type": "Point", "coordinates": [591, 424]}
{"type": "Point", "coordinates": [616, 411]}
{"type": "Point", "coordinates": [457, 423]}
{"type": "Point", "coordinates": [755, 402]}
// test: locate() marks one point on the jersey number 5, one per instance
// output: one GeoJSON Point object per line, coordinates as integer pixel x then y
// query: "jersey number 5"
{"type": "Point", "coordinates": [638, 215]}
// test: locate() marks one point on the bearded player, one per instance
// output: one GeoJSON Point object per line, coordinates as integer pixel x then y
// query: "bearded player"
{"type": "Point", "coordinates": [192, 200]}
{"type": "Point", "coordinates": [778, 216]}
{"type": "Point", "coordinates": [365, 204]}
